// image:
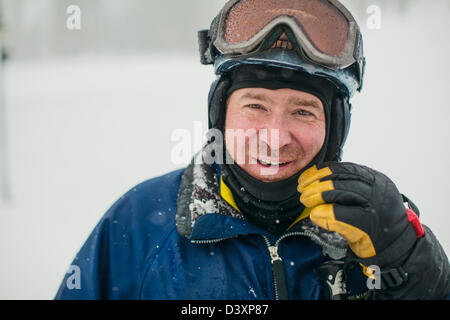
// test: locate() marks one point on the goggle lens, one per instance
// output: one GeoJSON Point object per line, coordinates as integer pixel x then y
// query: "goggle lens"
{"type": "Point", "coordinates": [325, 26]}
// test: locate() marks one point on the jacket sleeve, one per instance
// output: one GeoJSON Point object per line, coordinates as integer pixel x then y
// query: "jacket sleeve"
{"type": "Point", "coordinates": [112, 262]}
{"type": "Point", "coordinates": [428, 272]}
{"type": "Point", "coordinates": [109, 263]}
{"type": "Point", "coordinates": [87, 277]}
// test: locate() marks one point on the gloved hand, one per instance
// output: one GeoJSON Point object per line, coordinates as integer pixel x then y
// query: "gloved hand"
{"type": "Point", "coordinates": [362, 205]}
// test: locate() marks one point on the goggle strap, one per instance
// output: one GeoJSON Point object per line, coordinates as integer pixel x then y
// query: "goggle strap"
{"type": "Point", "coordinates": [204, 44]}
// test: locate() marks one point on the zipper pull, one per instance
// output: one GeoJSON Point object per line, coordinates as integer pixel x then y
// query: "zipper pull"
{"type": "Point", "coordinates": [273, 250]}
{"type": "Point", "coordinates": [279, 278]}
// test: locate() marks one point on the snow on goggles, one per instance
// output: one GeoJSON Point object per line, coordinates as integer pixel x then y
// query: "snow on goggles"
{"type": "Point", "coordinates": [323, 30]}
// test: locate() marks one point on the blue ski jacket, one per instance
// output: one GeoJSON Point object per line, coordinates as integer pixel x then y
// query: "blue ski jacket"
{"type": "Point", "coordinates": [175, 237]}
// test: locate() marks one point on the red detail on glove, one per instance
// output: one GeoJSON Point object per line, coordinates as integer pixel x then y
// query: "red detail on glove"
{"type": "Point", "coordinates": [414, 220]}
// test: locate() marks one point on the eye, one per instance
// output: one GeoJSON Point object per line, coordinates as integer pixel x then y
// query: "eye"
{"type": "Point", "coordinates": [304, 113]}
{"type": "Point", "coordinates": [255, 106]}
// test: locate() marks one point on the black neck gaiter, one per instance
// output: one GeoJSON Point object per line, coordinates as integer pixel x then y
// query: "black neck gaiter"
{"type": "Point", "coordinates": [273, 206]}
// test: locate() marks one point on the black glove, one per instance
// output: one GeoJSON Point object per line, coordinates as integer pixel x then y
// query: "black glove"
{"type": "Point", "coordinates": [362, 205]}
{"type": "Point", "coordinates": [365, 207]}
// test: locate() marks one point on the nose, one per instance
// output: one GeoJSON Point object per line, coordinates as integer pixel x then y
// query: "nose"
{"type": "Point", "coordinates": [276, 133]}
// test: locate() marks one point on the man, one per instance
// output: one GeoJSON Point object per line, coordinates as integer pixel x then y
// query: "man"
{"type": "Point", "coordinates": [267, 210]}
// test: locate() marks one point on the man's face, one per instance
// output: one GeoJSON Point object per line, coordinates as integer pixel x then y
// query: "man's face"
{"type": "Point", "coordinates": [273, 134]}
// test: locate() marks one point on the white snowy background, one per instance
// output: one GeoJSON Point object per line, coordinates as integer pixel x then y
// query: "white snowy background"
{"type": "Point", "coordinates": [90, 113]}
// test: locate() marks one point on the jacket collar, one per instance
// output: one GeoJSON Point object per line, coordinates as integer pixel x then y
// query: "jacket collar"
{"type": "Point", "coordinates": [199, 197]}
{"type": "Point", "coordinates": [203, 215]}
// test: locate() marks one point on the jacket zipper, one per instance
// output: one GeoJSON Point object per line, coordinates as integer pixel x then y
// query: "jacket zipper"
{"type": "Point", "coordinates": [279, 281]}
{"type": "Point", "coordinates": [208, 241]}
{"type": "Point", "coordinates": [279, 277]}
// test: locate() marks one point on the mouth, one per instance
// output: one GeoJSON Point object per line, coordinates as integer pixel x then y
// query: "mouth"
{"type": "Point", "coordinates": [273, 164]}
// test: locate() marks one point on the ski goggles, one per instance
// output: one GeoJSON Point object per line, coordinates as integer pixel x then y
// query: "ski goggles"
{"type": "Point", "coordinates": [323, 30]}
